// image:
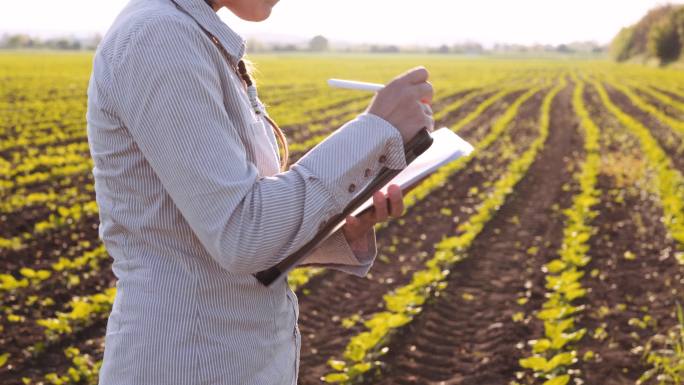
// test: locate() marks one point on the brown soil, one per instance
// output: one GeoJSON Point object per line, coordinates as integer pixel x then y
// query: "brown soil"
{"type": "Point", "coordinates": [677, 97]}
{"type": "Point", "coordinates": [646, 285]}
{"type": "Point", "coordinates": [667, 109]}
{"type": "Point", "coordinates": [57, 240]}
{"type": "Point", "coordinates": [363, 296]}
{"type": "Point", "coordinates": [668, 140]}
{"type": "Point", "coordinates": [459, 341]}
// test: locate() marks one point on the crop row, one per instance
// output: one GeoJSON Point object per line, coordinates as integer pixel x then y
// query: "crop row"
{"type": "Point", "coordinates": [403, 304]}
{"type": "Point", "coordinates": [554, 354]}
{"type": "Point", "coordinates": [299, 277]}
{"type": "Point", "coordinates": [669, 181]}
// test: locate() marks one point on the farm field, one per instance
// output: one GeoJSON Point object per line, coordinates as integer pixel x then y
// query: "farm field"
{"type": "Point", "coordinates": [552, 255]}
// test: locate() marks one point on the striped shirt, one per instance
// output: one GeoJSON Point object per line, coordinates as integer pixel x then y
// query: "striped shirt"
{"type": "Point", "coordinates": [192, 203]}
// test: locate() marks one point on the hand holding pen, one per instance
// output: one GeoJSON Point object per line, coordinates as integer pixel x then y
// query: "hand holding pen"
{"type": "Point", "coordinates": [404, 102]}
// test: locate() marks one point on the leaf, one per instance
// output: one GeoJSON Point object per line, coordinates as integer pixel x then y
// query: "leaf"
{"type": "Point", "coordinates": [536, 363]}
{"type": "Point", "coordinates": [467, 297]}
{"type": "Point", "coordinates": [43, 274]}
{"type": "Point", "coordinates": [360, 368]}
{"type": "Point", "coordinates": [560, 380]}
{"type": "Point", "coordinates": [541, 345]}
{"type": "Point", "coordinates": [337, 364]}
{"type": "Point", "coordinates": [3, 359]}
{"type": "Point", "coordinates": [336, 377]}
{"type": "Point", "coordinates": [679, 256]}
{"type": "Point", "coordinates": [556, 266]}
{"type": "Point", "coordinates": [518, 317]}
{"type": "Point", "coordinates": [562, 359]}
{"type": "Point", "coordinates": [27, 272]}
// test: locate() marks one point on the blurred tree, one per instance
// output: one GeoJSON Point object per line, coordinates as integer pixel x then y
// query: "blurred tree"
{"type": "Point", "coordinates": [19, 41]}
{"type": "Point", "coordinates": [318, 43]}
{"type": "Point", "coordinates": [621, 46]}
{"type": "Point", "coordinates": [664, 42]}
{"type": "Point", "coordinates": [657, 35]}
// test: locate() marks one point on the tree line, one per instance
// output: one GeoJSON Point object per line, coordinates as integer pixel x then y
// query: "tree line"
{"type": "Point", "coordinates": [657, 36]}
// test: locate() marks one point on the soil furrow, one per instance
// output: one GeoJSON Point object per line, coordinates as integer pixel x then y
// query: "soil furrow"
{"type": "Point", "coordinates": [667, 109]}
{"type": "Point", "coordinates": [475, 335]}
{"type": "Point", "coordinates": [666, 137]}
{"type": "Point", "coordinates": [675, 96]}
{"type": "Point", "coordinates": [322, 334]}
{"type": "Point", "coordinates": [633, 270]}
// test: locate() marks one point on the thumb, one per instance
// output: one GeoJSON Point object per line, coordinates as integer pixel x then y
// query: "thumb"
{"type": "Point", "coordinates": [417, 75]}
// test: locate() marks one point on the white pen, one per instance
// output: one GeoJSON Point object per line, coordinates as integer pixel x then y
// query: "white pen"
{"type": "Point", "coordinates": [354, 85]}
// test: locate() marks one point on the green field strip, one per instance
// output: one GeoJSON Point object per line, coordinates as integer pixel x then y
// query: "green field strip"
{"type": "Point", "coordinates": [57, 174]}
{"type": "Point", "coordinates": [661, 97]}
{"type": "Point", "coordinates": [669, 181]}
{"type": "Point", "coordinates": [52, 198]}
{"type": "Point", "coordinates": [404, 303]}
{"type": "Point", "coordinates": [83, 370]}
{"type": "Point", "coordinates": [84, 311]}
{"type": "Point", "coordinates": [304, 112]}
{"type": "Point", "coordinates": [41, 140]}
{"type": "Point", "coordinates": [448, 109]}
{"type": "Point", "coordinates": [311, 142]}
{"type": "Point", "coordinates": [676, 124]}
{"type": "Point", "coordinates": [62, 217]}
{"type": "Point", "coordinates": [71, 268]}
{"type": "Point", "coordinates": [52, 157]}
{"type": "Point", "coordinates": [554, 354]}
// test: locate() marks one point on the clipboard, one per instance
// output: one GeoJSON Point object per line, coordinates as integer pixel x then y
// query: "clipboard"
{"type": "Point", "coordinates": [363, 201]}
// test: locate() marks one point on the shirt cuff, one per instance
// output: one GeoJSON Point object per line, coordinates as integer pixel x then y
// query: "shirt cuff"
{"type": "Point", "coordinates": [336, 253]}
{"type": "Point", "coordinates": [347, 160]}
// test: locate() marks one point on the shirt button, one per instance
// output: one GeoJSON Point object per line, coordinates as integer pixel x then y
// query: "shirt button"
{"type": "Point", "coordinates": [382, 159]}
{"type": "Point", "coordinates": [352, 187]}
{"type": "Point", "coordinates": [367, 172]}
{"type": "Point", "coordinates": [322, 225]}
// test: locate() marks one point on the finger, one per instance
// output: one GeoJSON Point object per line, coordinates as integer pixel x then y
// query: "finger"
{"type": "Point", "coordinates": [429, 123]}
{"type": "Point", "coordinates": [415, 75]}
{"type": "Point", "coordinates": [423, 92]}
{"type": "Point", "coordinates": [352, 221]}
{"type": "Point", "coordinates": [355, 226]}
{"type": "Point", "coordinates": [426, 109]}
{"type": "Point", "coordinates": [395, 196]}
{"type": "Point", "coordinates": [380, 203]}
{"type": "Point", "coordinates": [363, 220]}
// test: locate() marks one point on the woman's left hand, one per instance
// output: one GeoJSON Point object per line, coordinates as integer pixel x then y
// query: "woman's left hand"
{"type": "Point", "coordinates": [355, 228]}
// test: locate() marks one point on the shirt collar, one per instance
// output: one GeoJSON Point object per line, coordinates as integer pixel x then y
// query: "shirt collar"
{"type": "Point", "coordinates": [207, 18]}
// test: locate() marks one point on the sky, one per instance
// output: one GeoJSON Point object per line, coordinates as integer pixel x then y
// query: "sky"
{"type": "Point", "coordinates": [404, 22]}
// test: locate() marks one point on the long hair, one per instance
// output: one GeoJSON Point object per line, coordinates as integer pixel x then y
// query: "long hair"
{"type": "Point", "coordinates": [282, 140]}
{"type": "Point", "coordinates": [246, 69]}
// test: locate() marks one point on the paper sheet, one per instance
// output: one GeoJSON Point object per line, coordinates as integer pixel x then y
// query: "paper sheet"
{"type": "Point", "coordinates": [447, 147]}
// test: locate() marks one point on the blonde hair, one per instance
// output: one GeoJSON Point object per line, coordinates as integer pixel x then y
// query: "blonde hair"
{"type": "Point", "coordinates": [247, 70]}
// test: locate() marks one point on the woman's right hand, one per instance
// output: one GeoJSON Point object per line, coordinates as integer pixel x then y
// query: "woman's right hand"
{"type": "Point", "coordinates": [404, 103]}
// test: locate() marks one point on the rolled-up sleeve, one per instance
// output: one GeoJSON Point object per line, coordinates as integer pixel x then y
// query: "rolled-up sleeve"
{"type": "Point", "coordinates": [168, 93]}
{"type": "Point", "coordinates": [336, 253]}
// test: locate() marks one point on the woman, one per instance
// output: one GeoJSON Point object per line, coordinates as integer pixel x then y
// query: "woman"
{"type": "Point", "coordinates": [193, 200]}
